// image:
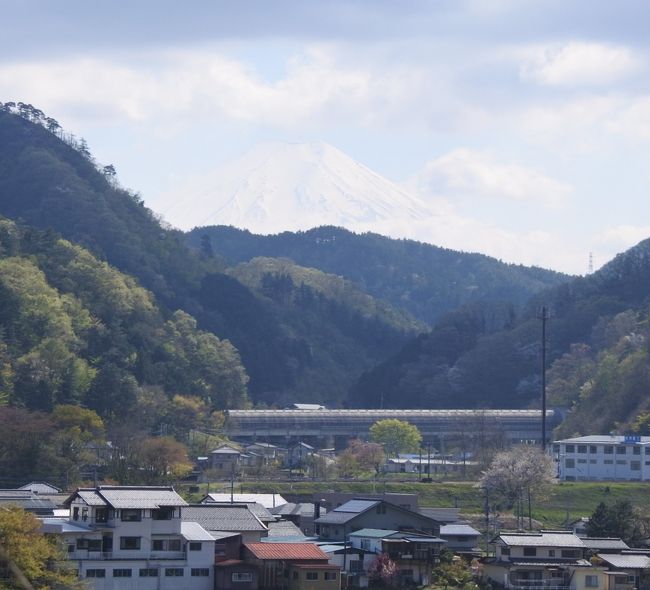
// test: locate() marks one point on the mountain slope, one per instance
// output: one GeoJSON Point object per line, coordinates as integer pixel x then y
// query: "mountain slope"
{"type": "Point", "coordinates": [292, 186]}
{"type": "Point", "coordinates": [500, 368]}
{"type": "Point", "coordinates": [424, 280]}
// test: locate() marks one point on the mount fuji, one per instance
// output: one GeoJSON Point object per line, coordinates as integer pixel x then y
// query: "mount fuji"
{"type": "Point", "coordinates": [296, 186]}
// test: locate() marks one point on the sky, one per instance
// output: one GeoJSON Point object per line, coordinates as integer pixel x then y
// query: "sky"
{"type": "Point", "coordinates": [525, 123]}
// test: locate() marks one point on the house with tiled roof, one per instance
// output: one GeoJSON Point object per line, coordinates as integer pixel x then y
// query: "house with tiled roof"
{"type": "Point", "coordinates": [236, 518]}
{"type": "Point", "coordinates": [546, 558]}
{"type": "Point", "coordinates": [362, 513]}
{"type": "Point", "coordinates": [134, 536]}
{"type": "Point", "coordinates": [295, 566]}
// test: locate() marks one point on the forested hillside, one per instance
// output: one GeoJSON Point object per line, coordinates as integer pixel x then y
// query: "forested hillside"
{"type": "Point", "coordinates": [424, 280]}
{"type": "Point", "coordinates": [494, 357]}
{"type": "Point", "coordinates": [50, 180]}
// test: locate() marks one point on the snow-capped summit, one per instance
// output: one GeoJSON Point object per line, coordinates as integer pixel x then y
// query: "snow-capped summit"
{"type": "Point", "coordinates": [295, 186]}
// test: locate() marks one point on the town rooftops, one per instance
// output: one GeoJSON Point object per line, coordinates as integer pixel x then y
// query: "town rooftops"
{"type": "Point", "coordinates": [284, 528]}
{"type": "Point", "coordinates": [351, 509]}
{"type": "Point", "coordinates": [143, 497]}
{"type": "Point", "coordinates": [193, 531]}
{"type": "Point", "coordinates": [223, 517]}
{"type": "Point", "coordinates": [626, 560]}
{"type": "Point", "coordinates": [541, 539]}
{"type": "Point", "coordinates": [293, 509]}
{"type": "Point", "coordinates": [604, 543]}
{"type": "Point", "coordinates": [266, 500]}
{"type": "Point", "coordinates": [226, 450]}
{"type": "Point", "coordinates": [41, 487]}
{"type": "Point", "coordinates": [286, 551]}
{"type": "Point", "coordinates": [372, 533]}
{"type": "Point", "coordinates": [458, 530]}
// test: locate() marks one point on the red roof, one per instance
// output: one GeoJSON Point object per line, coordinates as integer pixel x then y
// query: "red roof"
{"type": "Point", "coordinates": [286, 551]}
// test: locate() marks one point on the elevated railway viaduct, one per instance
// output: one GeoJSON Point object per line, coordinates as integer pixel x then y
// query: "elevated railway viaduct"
{"type": "Point", "coordinates": [336, 427]}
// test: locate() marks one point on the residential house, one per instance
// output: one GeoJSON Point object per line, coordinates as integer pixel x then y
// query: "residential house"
{"type": "Point", "coordinates": [375, 514]}
{"type": "Point", "coordinates": [628, 569]}
{"type": "Point", "coordinates": [234, 518]}
{"type": "Point", "coordinates": [285, 531]}
{"type": "Point", "coordinates": [292, 566]}
{"type": "Point", "coordinates": [134, 537]}
{"type": "Point", "coordinates": [596, 545]}
{"type": "Point", "coordinates": [352, 561]}
{"type": "Point", "coordinates": [225, 460]}
{"type": "Point", "coordinates": [301, 514]}
{"type": "Point", "coordinates": [40, 487]}
{"type": "Point", "coordinates": [28, 501]}
{"type": "Point", "coordinates": [331, 500]}
{"type": "Point", "coordinates": [462, 539]}
{"type": "Point", "coordinates": [414, 554]}
{"type": "Point", "coordinates": [547, 558]}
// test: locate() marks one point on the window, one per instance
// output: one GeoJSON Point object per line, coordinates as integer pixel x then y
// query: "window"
{"type": "Point", "coordinates": [582, 461]}
{"type": "Point", "coordinates": [166, 545]}
{"type": "Point", "coordinates": [621, 462]}
{"type": "Point", "coordinates": [75, 513]}
{"type": "Point", "coordinates": [200, 572]}
{"type": "Point", "coordinates": [621, 450]}
{"type": "Point", "coordinates": [131, 515]}
{"type": "Point", "coordinates": [505, 550]}
{"type": "Point", "coordinates": [569, 463]}
{"type": "Point", "coordinates": [295, 575]}
{"type": "Point", "coordinates": [82, 543]}
{"type": "Point", "coordinates": [647, 450]}
{"type": "Point", "coordinates": [635, 465]}
{"type": "Point", "coordinates": [122, 573]}
{"type": "Point", "coordinates": [551, 552]}
{"type": "Point", "coordinates": [356, 565]}
{"type": "Point", "coordinates": [311, 576]}
{"type": "Point", "coordinates": [609, 449]}
{"type": "Point", "coordinates": [162, 513]}
{"type": "Point", "coordinates": [582, 449]}
{"type": "Point", "coordinates": [174, 545]}
{"type": "Point", "coordinates": [94, 544]}
{"type": "Point", "coordinates": [591, 581]}
{"type": "Point", "coordinates": [593, 449]}
{"type": "Point", "coordinates": [330, 575]}
{"type": "Point", "coordinates": [220, 549]}
{"type": "Point", "coordinates": [365, 544]}
{"type": "Point", "coordinates": [530, 551]}
{"type": "Point", "coordinates": [636, 450]}
{"type": "Point", "coordinates": [570, 553]}
{"type": "Point", "coordinates": [570, 449]}
{"type": "Point", "coordinates": [148, 572]}
{"type": "Point", "coordinates": [174, 572]}
{"type": "Point", "coordinates": [608, 461]}
{"type": "Point", "coordinates": [84, 514]}
{"type": "Point", "coordinates": [95, 573]}
{"type": "Point", "coordinates": [101, 515]}
{"type": "Point", "coordinates": [130, 543]}
{"type": "Point", "coordinates": [242, 577]}
{"type": "Point", "coordinates": [195, 546]}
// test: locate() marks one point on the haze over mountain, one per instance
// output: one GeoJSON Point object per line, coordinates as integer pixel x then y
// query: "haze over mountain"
{"type": "Point", "coordinates": [296, 186]}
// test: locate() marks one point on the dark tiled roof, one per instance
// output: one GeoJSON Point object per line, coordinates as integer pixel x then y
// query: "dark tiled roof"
{"type": "Point", "coordinates": [604, 543]}
{"type": "Point", "coordinates": [286, 551]}
{"type": "Point", "coordinates": [220, 517]}
{"type": "Point", "coordinates": [141, 497]}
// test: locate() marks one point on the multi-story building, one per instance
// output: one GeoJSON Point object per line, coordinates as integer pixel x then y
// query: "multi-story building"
{"type": "Point", "coordinates": [135, 537]}
{"type": "Point", "coordinates": [603, 457]}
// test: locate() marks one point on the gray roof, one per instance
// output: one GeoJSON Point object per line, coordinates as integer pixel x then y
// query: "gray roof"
{"type": "Point", "coordinates": [448, 515]}
{"type": "Point", "coordinates": [459, 530]}
{"type": "Point", "coordinates": [629, 561]}
{"type": "Point", "coordinates": [257, 509]}
{"type": "Point", "coordinates": [140, 497]}
{"type": "Point", "coordinates": [435, 540]}
{"type": "Point", "coordinates": [604, 543]}
{"type": "Point", "coordinates": [293, 509]}
{"type": "Point", "coordinates": [266, 500]}
{"type": "Point", "coordinates": [350, 510]}
{"type": "Point", "coordinates": [221, 517]}
{"type": "Point", "coordinates": [193, 531]}
{"type": "Point", "coordinates": [284, 528]}
{"type": "Point", "coordinates": [543, 539]}
{"type": "Point", "coordinates": [372, 533]}
{"type": "Point", "coordinates": [226, 450]}
{"type": "Point", "coordinates": [91, 497]}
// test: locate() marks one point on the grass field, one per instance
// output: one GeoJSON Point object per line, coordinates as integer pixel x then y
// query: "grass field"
{"type": "Point", "coordinates": [566, 501]}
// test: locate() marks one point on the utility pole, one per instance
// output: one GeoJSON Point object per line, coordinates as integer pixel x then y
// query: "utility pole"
{"type": "Point", "coordinates": [544, 316]}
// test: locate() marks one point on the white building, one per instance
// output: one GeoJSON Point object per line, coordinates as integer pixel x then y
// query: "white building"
{"type": "Point", "coordinates": [603, 457]}
{"type": "Point", "coordinates": [132, 538]}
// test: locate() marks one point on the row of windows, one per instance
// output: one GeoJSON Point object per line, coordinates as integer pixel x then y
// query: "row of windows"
{"type": "Point", "coordinates": [313, 576]}
{"type": "Point", "coordinates": [149, 572]}
{"type": "Point", "coordinates": [126, 514]}
{"type": "Point", "coordinates": [634, 465]}
{"type": "Point", "coordinates": [134, 544]}
{"type": "Point", "coordinates": [532, 552]}
{"type": "Point", "coordinates": [607, 449]}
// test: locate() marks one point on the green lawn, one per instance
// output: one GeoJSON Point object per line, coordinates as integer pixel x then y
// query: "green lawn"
{"type": "Point", "coordinates": [569, 499]}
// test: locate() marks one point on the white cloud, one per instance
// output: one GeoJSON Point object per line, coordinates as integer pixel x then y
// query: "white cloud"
{"type": "Point", "coordinates": [579, 64]}
{"type": "Point", "coordinates": [623, 236]}
{"type": "Point", "coordinates": [477, 174]}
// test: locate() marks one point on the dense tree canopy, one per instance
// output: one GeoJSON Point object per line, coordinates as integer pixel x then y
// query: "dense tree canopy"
{"type": "Point", "coordinates": [396, 436]}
